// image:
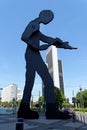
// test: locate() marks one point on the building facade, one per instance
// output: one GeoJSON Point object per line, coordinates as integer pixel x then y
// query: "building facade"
{"type": "Point", "coordinates": [55, 67]}
{"type": "Point", "coordinates": [11, 92]}
{"type": "Point", "coordinates": [52, 63]}
{"type": "Point", "coordinates": [61, 75]}
{"type": "Point", "coordinates": [19, 94]}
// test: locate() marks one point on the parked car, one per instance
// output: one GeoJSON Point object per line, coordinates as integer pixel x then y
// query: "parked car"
{"type": "Point", "coordinates": [68, 110]}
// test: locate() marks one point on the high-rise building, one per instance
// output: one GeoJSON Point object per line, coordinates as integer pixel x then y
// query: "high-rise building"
{"type": "Point", "coordinates": [55, 67]}
{"type": "Point", "coordinates": [52, 63]}
{"type": "Point", "coordinates": [61, 75]}
{"type": "Point", "coordinates": [11, 92]}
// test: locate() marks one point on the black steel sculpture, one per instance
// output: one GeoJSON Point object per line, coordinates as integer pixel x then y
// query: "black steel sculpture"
{"type": "Point", "coordinates": [34, 63]}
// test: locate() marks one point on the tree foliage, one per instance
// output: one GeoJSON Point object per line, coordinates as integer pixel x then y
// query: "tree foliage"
{"type": "Point", "coordinates": [59, 96]}
{"type": "Point", "coordinates": [82, 95]}
{"type": "Point", "coordinates": [78, 97]}
{"type": "Point", "coordinates": [12, 103]}
{"type": "Point", "coordinates": [41, 99]}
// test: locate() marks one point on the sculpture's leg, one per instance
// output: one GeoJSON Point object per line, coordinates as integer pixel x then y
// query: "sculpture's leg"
{"type": "Point", "coordinates": [29, 82]}
{"type": "Point", "coordinates": [26, 113]}
{"type": "Point", "coordinates": [47, 80]}
{"type": "Point", "coordinates": [51, 111]}
{"type": "Point", "coordinates": [24, 110]}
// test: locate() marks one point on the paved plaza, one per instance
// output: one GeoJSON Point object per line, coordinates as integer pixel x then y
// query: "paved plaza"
{"type": "Point", "coordinates": [9, 122]}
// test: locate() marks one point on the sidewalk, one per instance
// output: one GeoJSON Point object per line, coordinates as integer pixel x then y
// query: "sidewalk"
{"type": "Point", "coordinates": [8, 122]}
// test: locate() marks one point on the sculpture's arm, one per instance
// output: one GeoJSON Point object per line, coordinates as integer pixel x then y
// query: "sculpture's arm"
{"type": "Point", "coordinates": [56, 42]}
{"type": "Point", "coordinates": [39, 48]}
{"type": "Point", "coordinates": [50, 41]}
{"type": "Point", "coordinates": [43, 38]}
{"type": "Point", "coordinates": [47, 39]}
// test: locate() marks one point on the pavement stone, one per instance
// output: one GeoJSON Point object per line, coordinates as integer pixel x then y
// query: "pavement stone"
{"type": "Point", "coordinates": [84, 127]}
{"type": "Point", "coordinates": [10, 122]}
{"type": "Point", "coordinates": [73, 125]}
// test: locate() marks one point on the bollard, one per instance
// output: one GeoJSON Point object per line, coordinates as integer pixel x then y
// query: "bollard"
{"type": "Point", "coordinates": [19, 124]}
{"type": "Point", "coordinates": [74, 117]}
{"type": "Point", "coordinates": [77, 118]}
{"type": "Point", "coordinates": [84, 119]}
{"type": "Point", "coordinates": [81, 118]}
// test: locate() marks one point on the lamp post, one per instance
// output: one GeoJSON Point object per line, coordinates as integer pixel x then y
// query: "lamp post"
{"type": "Point", "coordinates": [81, 98]}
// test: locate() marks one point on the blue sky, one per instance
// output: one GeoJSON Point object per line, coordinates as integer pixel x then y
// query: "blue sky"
{"type": "Point", "coordinates": [69, 24]}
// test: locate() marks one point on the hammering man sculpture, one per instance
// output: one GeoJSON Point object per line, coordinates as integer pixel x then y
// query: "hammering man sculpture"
{"type": "Point", "coordinates": [34, 63]}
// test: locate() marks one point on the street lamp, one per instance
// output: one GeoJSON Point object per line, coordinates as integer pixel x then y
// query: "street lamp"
{"type": "Point", "coordinates": [81, 98]}
{"type": "Point", "coordinates": [80, 89]}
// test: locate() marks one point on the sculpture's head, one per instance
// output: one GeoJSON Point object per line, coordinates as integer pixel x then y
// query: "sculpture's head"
{"type": "Point", "coordinates": [46, 16]}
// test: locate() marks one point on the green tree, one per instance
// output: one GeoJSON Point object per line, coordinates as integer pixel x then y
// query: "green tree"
{"type": "Point", "coordinates": [67, 105]}
{"type": "Point", "coordinates": [78, 97]}
{"type": "Point", "coordinates": [59, 96]}
{"type": "Point", "coordinates": [41, 99]}
{"type": "Point", "coordinates": [5, 104]}
{"type": "Point", "coordinates": [82, 95]}
{"type": "Point", "coordinates": [18, 102]}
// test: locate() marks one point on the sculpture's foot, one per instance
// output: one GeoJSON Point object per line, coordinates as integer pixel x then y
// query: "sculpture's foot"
{"type": "Point", "coordinates": [26, 113]}
{"type": "Point", "coordinates": [53, 113]}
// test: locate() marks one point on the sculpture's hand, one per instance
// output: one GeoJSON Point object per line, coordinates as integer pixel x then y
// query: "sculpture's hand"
{"type": "Point", "coordinates": [60, 44]}
{"type": "Point", "coordinates": [65, 45]}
